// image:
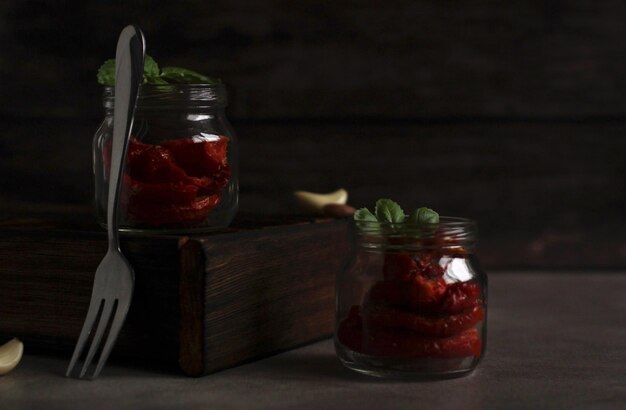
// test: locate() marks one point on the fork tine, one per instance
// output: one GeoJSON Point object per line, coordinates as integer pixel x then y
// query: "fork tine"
{"type": "Point", "coordinates": [118, 321]}
{"type": "Point", "coordinates": [92, 313]}
{"type": "Point", "coordinates": [105, 317]}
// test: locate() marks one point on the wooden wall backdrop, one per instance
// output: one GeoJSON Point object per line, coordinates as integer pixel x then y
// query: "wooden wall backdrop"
{"type": "Point", "coordinates": [513, 113]}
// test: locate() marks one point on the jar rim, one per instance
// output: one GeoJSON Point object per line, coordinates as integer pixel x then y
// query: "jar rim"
{"type": "Point", "coordinates": [446, 221]}
{"type": "Point", "coordinates": [449, 232]}
{"type": "Point", "coordinates": [167, 96]}
{"type": "Point", "coordinates": [174, 85]}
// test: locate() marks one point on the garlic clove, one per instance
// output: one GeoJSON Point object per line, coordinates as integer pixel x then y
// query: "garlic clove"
{"type": "Point", "coordinates": [315, 202]}
{"type": "Point", "coordinates": [10, 355]}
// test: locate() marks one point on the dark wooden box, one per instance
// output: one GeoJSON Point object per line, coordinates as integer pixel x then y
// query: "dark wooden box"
{"type": "Point", "coordinates": [206, 302]}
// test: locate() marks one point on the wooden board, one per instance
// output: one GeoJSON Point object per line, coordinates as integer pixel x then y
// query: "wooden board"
{"type": "Point", "coordinates": [205, 302]}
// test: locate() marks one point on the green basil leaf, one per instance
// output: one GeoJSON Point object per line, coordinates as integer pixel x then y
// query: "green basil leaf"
{"type": "Point", "coordinates": [178, 75]}
{"type": "Point", "coordinates": [150, 69]}
{"type": "Point", "coordinates": [364, 215]}
{"type": "Point", "coordinates": [389, 211]}
{"type": "Point", "coordinates": [424, 215]}
{"type": "Point", "coordinates": [154, 81]}
{"type": "Point", "coordinates": [106, 73]}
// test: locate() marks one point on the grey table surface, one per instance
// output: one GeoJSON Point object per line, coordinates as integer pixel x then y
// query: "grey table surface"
{"type": "Point", "coordinates": [555, 340]}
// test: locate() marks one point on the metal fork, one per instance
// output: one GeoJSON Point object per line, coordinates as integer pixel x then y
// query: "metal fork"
{"type": "Point", "coordinates": [115, 278]}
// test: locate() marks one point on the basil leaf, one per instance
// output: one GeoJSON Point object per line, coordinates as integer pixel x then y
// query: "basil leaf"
{"type": "Point", "coordinates": [150, 69]}
{"type": "Point", "coordinates": [155, 81]}
{"type": "Point", "coordinates": [364, 215]}
{"type": "Point", "coordinates": [367, 221]}
{"type": "Point", "coordinates": [180, 75]}
{"type": "Point", "coordinates": [106, 73]}
{"type": "Point", "coordinates": [424, 215]}
{"type": "Point", "coordinates": [389, 211]}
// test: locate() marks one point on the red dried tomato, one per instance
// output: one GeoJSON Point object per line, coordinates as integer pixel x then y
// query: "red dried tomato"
{"type": "Point", "coordinates": [384, 342]}
{"type": "Point", "coordinates": [199, 158]}
{"type": "Point", "coordinates": [399, 267]}
{"type": "Point", "coordinates": [154, 164]}
{"type": "Point", "coordinates": [163, 193]}
{"type": "Point", "coordinates": [440, 326]}
{"type": "Point", "coordinates": [428, 264]}
{"type": "Point", "coordinates": [459, 296]}
{"type": "Point", "coordinates": [421, 292]}
{"type": "Point", "coordinates": [176, 182]}
{"type": "Point", "coordinates": [168, 214]}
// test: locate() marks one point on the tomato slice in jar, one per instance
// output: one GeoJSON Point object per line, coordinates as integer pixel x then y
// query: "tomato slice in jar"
{"type": "Point", "coordinates": [405, 345]}
{"type": "Point", "coordinates": [404, 266]}
{"type": "Point", "coordinates": [215, 183]}
{"type": "Point", "coordinates": [421, 292]}
{"type": "Point", "coordinates": [153, 164]}
{"type": "Point", "coordinates": [160, 190]}
{"type": "Point", "coordinates": [456, 297]}
{"type": "Point", "coordinates": [162, 193]}
{"type": "Point", "coordinates": [199, 158]}
{"type": "Point", "coordinates": [459, 297]}
{"type": "Point", "coordinates": [428, 264]}
{"type": "Point", "coordinates": [399, 267]}
{"type": "Point", "coordinates": [169, 214]}
{"type": "Point", "coordinates": [439, 326]}
{"type": "Point", "coordinates": [384, 342]}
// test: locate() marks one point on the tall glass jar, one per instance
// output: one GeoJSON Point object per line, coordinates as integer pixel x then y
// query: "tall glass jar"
{"type": "Point", "coordinates": [180, 173]}
{"type": "Point", "coordinates": [413, 301]}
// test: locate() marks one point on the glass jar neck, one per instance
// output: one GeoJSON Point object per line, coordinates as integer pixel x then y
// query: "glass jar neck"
{"type": "Point", "coordinates": [449, 233]}
{"type": "Point", "coordinates": [174, 96]}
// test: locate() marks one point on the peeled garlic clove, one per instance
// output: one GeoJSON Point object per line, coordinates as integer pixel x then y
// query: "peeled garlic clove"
{"type": "Point", "coordinates": [314, 202]}
{"type": "Point", "coordinates": [10, 355]}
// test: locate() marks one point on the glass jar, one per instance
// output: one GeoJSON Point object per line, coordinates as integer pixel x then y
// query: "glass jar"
{"type": "Point", "coordinates": [180, 173]}
{"type": "Point", "coordinates": [413, 300]}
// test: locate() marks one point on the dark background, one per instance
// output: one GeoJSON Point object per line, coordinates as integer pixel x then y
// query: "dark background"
{"type": "Point", "coordinates": [511, 113]}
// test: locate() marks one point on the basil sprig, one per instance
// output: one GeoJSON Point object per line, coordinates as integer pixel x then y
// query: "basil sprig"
{"type": "Point", "coordinates": [388, 211]}
{"type": "Point", "coordinates": [424, 215]}
{"type": "Point", "coordinates": [153, 75]}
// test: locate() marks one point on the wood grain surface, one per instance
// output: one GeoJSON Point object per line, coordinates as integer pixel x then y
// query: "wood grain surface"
{"type": "Point", "coordinates": [269, 290]}
{"type": "Point", "coordinates": [201, 303]}
{"type": "Point", "coordinates": [46, 280]}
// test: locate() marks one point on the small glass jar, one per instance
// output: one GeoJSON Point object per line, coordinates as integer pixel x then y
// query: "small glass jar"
{"type": "Point", "coordinates": [413, 300]}
{"type": "Point", "coordinates": [180, 174]}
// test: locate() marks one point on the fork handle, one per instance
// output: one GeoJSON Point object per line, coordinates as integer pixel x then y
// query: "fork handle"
{"type": "Point", "coordinates": [129, 58]}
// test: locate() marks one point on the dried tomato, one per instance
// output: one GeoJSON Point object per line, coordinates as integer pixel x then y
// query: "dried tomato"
{"type": "Point", "coordinates": [163, 193]}
{"type": "Point", "coordinates": [459, 297]}
{"type": "Point", "coordinates": [176, 182]}
{"type": "Point", "coordinates": [397, 344]}
{"type": "Point", "coordinates": [199, 158]}
{"type": "Point", "coordinates": [168, 214]}
{"type": "Point", "coordinates": [441, 326]}
{"type": "Point", "coordinates": [384, 342]}
{"type": "Point", "coordinates": [428, 264]}
{"type": "Point", "coordinates": [153, 164]}
{"type": "Point", "coordinates": [399, 267]}
{"type": "Point", "coordinates": [420, 292]}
